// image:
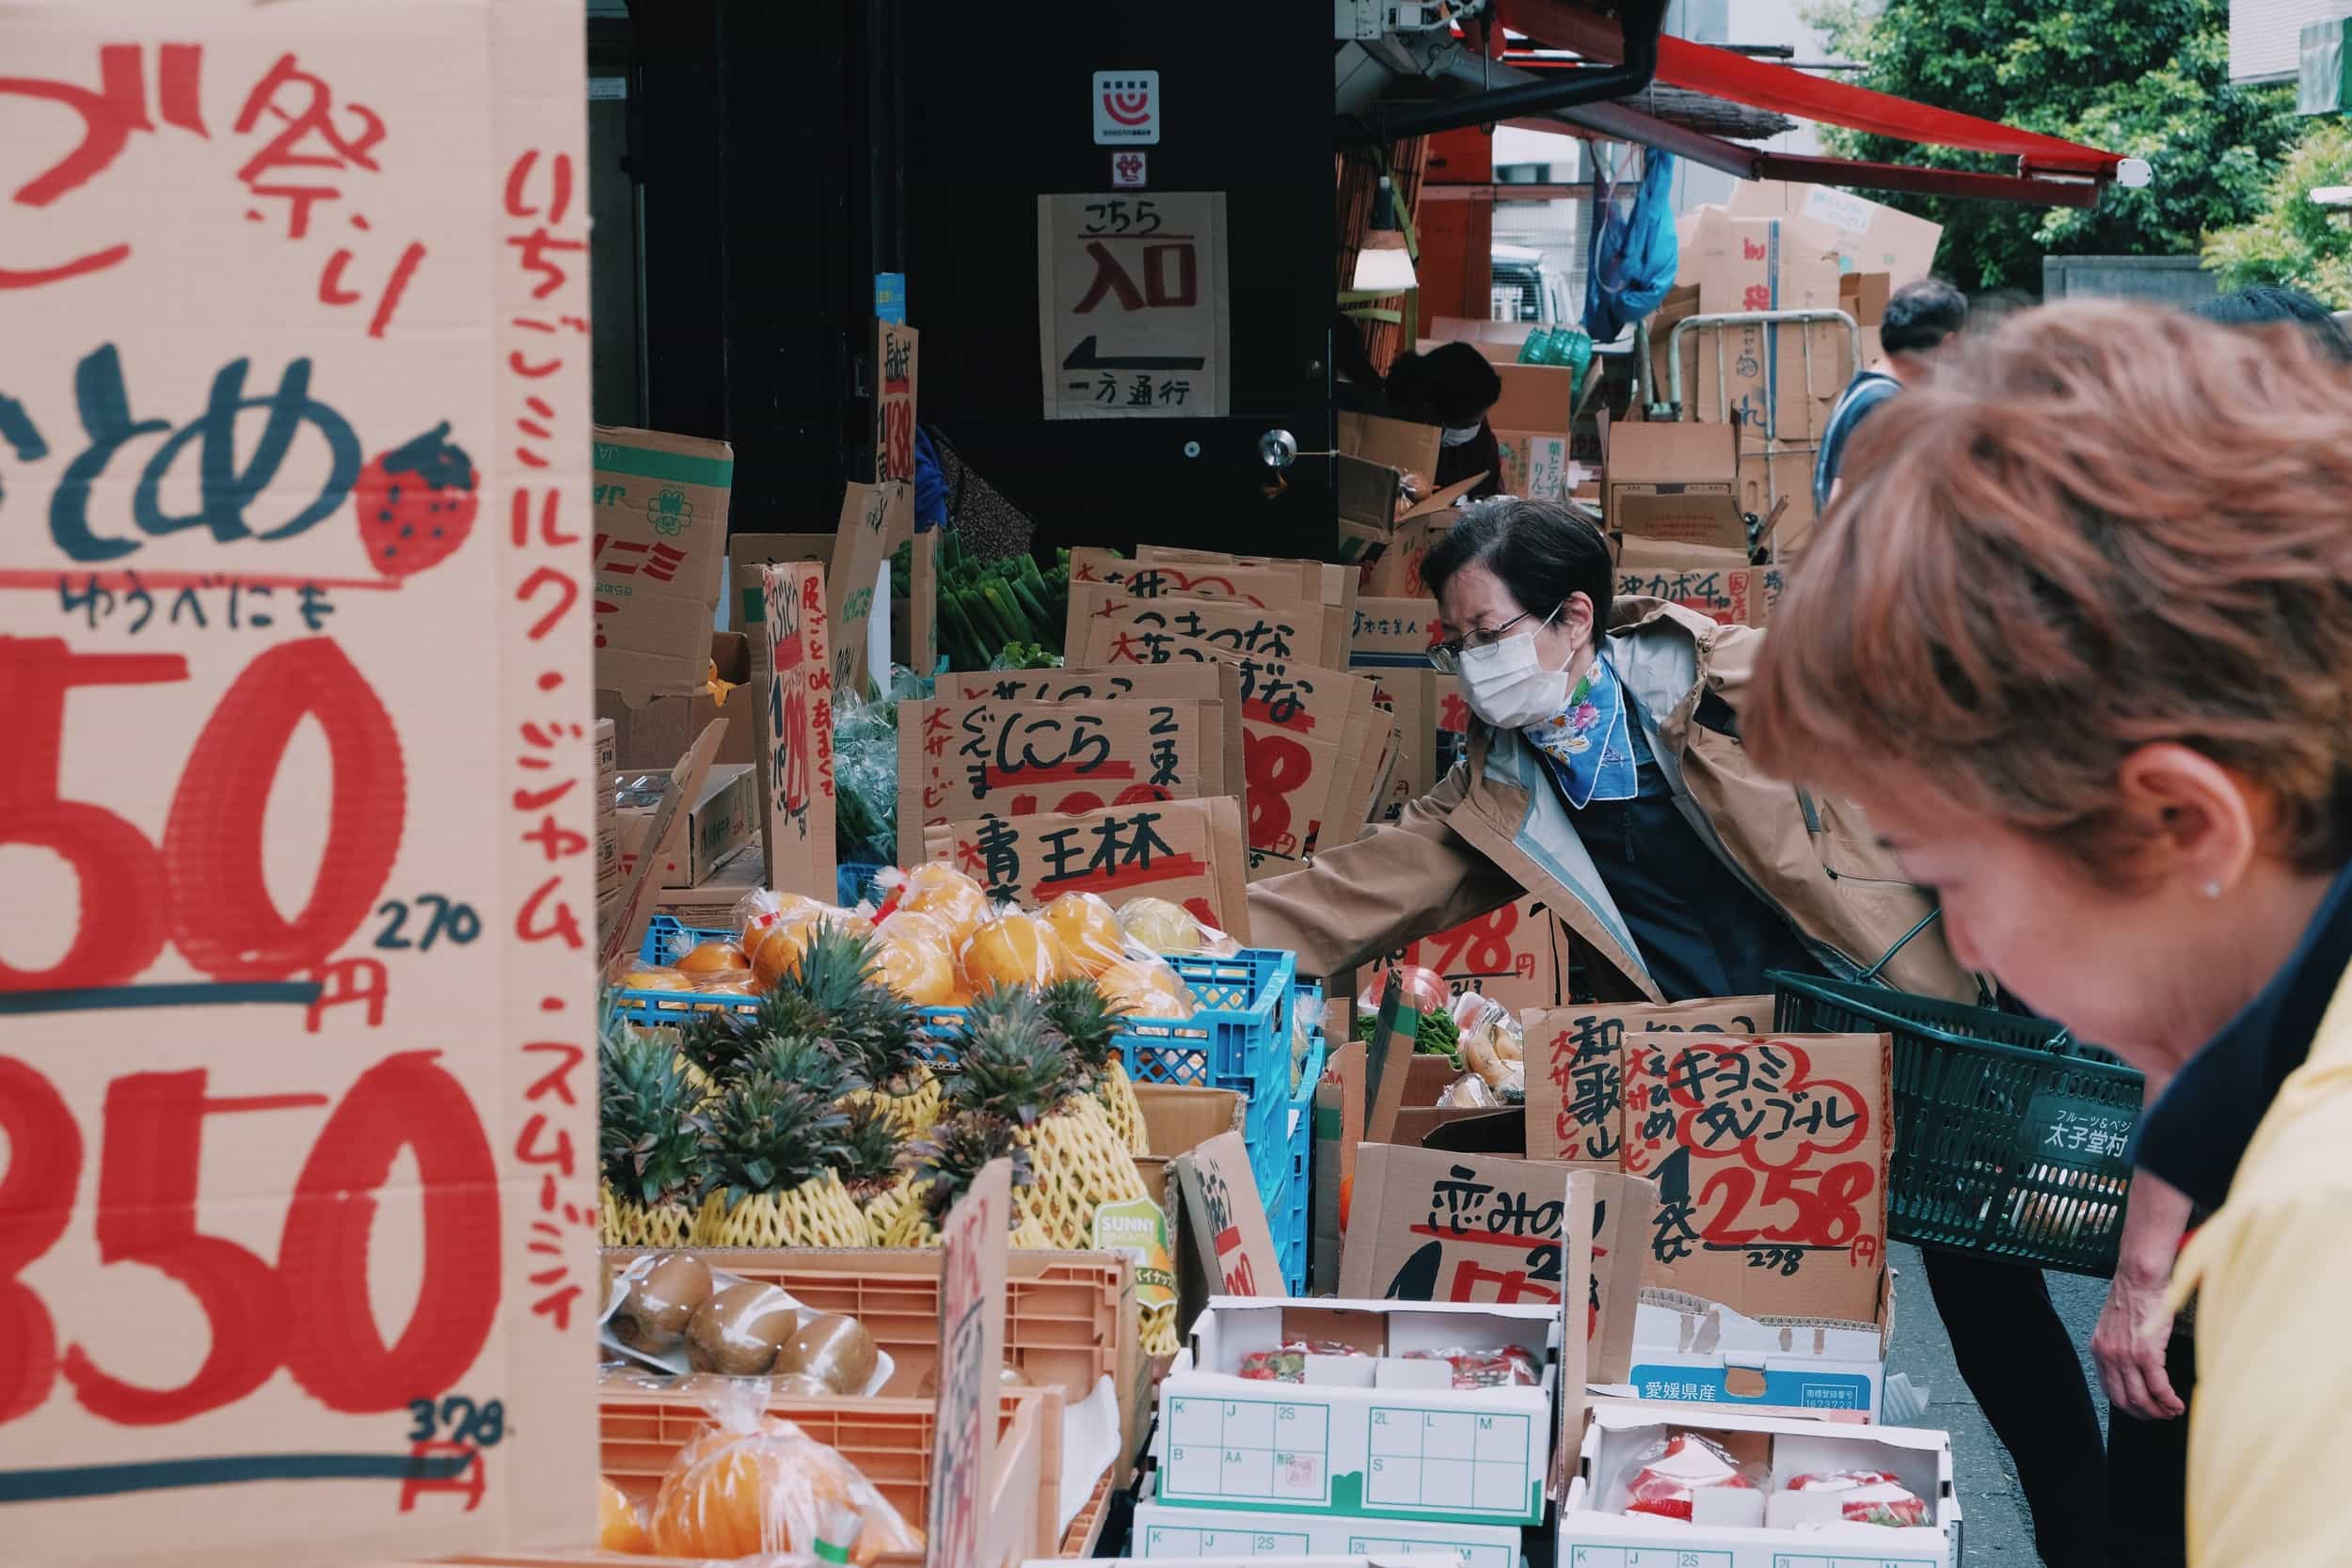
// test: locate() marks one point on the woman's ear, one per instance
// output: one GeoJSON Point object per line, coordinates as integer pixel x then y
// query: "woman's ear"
{"type": "Point", "coordinates": [1576, 618]}
{"type": "Point", "coordinates": [2195, 820]}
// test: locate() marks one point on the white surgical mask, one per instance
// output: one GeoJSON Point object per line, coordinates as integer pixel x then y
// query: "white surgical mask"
{"type": "Point", "coordinates": [1461, 436]}
{"type": "Point", "coordinates": [1506, 684]}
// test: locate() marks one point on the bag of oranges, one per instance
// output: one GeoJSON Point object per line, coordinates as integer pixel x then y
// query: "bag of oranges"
{"type": "Point", "coordinates": [757, 1485]}
{"type": "Point", "coordinates": [1013, 947]}
{"type": "Point", "coordinates": [1144, 985]}
{"type": "Point", "coordinates": [914, 955]}
{"type": "Point", "coordinates": [1088, 929]}
{"type": "Point", "coordinates": [938, 889]}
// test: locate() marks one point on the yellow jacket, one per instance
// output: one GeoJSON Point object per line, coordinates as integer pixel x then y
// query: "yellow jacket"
{"type": "Point", "coordinates": [2272, 1274]}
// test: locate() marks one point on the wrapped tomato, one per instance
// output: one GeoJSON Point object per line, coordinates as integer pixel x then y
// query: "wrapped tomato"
{"type": "Point", "coordinates": [1512, 1366]}
{"type": "Point", "coordinates": [1288, 1363]}
{"type": "Point", "coordinates": [1867, 1496]}
{"type": "Point", "coordinates": [1667, 1478]}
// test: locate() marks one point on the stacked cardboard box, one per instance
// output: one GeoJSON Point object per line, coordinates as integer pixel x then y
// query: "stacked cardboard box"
{"type": "Point", "coordinates": [721, 819]}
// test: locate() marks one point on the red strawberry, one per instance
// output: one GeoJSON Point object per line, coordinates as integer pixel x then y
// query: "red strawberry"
{"type": "Point", "coordinates": [415, 503]}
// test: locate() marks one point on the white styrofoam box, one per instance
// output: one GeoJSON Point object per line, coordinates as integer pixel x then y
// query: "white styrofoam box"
{"type": "Point", "coordinates": [1689, 1351]}
{"type": "Point", "coordinates": [1166, 1532]}
{"type": "Point", "coordinates": [1774, 1529]}
{"type": "Point", "coordinates": [1370, 1437]}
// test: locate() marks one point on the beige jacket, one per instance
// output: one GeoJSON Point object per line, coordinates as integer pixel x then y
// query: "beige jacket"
{"type": "Point", "coordinates": [1495, 829]}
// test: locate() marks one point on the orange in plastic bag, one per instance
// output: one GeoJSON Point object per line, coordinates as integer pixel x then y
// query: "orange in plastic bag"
{"type": "Point", "coordinates": [1087, 929]}
{"type": "Point", "coordinates": [620, 1523]}
{"type": "Point", "coordinates": [654, 977]}
{"type": "Point", "coordinates": [1146, 987]}
{"type": "Point", "coordinates": [755, 1485]}
{"type": "Point", "coordinates": [913, 956]}
{"type": "Point", "coordinates": [947, 896]}
{"type": "Point", "coordinates": [1012, 949]}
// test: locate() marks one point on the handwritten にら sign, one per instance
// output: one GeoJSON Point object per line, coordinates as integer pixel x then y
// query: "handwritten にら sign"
{"type": "Point", "coordinates": [296, 1080]}
{"type": "Point", "coordinates": [959, 761]}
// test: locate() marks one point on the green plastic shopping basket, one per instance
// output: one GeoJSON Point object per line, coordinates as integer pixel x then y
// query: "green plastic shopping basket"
{"type": "Point", "coordinates": [2012, 1140]}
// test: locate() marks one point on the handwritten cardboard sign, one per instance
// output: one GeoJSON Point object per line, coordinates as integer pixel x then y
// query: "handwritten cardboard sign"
{"type": "Point", "coordinates": [1229, 1233]}
{"type": "Point", "coordinates": [1319, 581]}
{"type": "Point", "coordinates": [897, 350]}
{"type": "Point", "coordinates": [1470, 1228]}
{"type": "Point", "coordinates": [962, 761]}
{"type": "Point", "coordinates": [1108, 627]}
{"type": "Point", "coordinates": [1770, 1156]}
{"type": "Point", "coordinates": [1719, 583]}
{"type": "Point", "coordinates": [298, 1098]}
{"type": "Point", "coordinates": [1517, 956]}
{"type": "Point", "coordinates": [1186, 851]}
{"type": "Point", "coordinates": [970, 1357]}
{"type": "Point", "coordinates": [1157, 578]}
{"type": "Point", "coordinates": [1132, 312]}
{"type": "Point", "coordinates": [800, 814]}
{"type": "Point", "coordinates": [1576, 1067]}
{"type": "Point", "coordinates": [1208, 683]}
{"type": "Point", "coordinates": [922, 603]}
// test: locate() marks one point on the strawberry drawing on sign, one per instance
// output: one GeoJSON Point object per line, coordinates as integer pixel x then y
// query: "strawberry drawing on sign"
{"type": "Point", "coordinates": [417, 503]}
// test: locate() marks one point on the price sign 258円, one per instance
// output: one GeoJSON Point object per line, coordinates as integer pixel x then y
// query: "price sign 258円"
{"type": "Point", "coordinates": [297, 1019]}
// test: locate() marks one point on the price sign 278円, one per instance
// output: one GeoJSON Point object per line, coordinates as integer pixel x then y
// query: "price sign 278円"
{"type": "Point", "coordinates": [297, 1018]}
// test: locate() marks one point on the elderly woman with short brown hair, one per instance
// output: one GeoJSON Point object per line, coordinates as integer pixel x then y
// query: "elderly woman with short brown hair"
{"type": "Point", "coordinates": [2078, 638]}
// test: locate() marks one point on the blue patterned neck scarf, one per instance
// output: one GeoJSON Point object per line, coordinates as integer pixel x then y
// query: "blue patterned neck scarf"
{"type": "Point", "coordinates": [1589, 741]}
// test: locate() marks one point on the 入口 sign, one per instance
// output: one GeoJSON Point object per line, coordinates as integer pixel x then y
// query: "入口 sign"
{"type": "Point", "coordinates": [299, 1104]}
{"type": "Point", "coordinates": [1126, 108]}
{"type": "Point", "coordinates": [1132, 306]}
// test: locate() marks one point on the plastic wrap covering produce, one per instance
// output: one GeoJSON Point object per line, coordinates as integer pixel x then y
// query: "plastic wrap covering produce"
{"type": "Point", "coordinates": [1088, 929]}
{"type": "Point", "coordinates": [1512, 1366]}
{"type": "Point", "coordinates": [915, 957]}
{"type": "Point", "coordinates": [938, 889]}
{"type": "Point", "coordinates": [676, 1317]}
{"type": "Point", "coordinates": [758, 1484]}
{"type": "Point", "coordinates": [1426, 990]}
{"type": "Point", "coordinates": [866, 780]}
{"type": "Point", "coordinates": [1144, 985]}
{"type": "Point", "coordinates": [1163, 926]}
{"type": "Point", "coordinates": [1663, 1477]}
{"type": "Point", "coordinates": [1288, 1363]}
{"type": "Point", "coordinates": [1867, 1496]}
{"type": "Point", "coordinates": [1013, 947]}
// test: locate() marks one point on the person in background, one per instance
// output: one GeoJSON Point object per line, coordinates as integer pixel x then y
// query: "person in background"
{"type": "Point", "coordinates": [2133, 790]}
{"type": "Point", "coordinates": [2262, 304]}
{"type": "Point", "coordinates": [1921, 318]}
{"type": "Point", "coordinates": [1452, 385]}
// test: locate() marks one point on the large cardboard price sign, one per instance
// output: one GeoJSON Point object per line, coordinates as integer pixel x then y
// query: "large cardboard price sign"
{"type": "Point", "coordinates": [1153, 580]}
{"type": "Point", "coordinates": [895, 348]}
{"type": "Point", "coordinates": [959, 761]}
{"type": "Point", "coordinates": [298, 1085]}
{"type": "Point", "coordinates": [1107, 626]}
{"type": "Point", "coordinates": [1576, 1067]}
{"type": "Point", "coordinates": [1770, 1156]}
{"type": "Point", "coordinates": [798, 732]}
{"type": "Point", "coordinates": [1188, 852]}
{"type": "Point", "coordinates": [1215, 685]}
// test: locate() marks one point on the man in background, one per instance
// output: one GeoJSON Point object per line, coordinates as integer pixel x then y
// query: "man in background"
{"type": "Point", "coordinates": [1920, 318]}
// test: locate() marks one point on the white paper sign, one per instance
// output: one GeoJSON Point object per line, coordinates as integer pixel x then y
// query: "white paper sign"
{"type": "Point", "coordinates": [1133, 305]}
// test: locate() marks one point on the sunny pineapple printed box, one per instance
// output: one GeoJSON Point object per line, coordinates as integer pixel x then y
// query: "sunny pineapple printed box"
{"type": "Point", "coordinates": [1380, 1433]}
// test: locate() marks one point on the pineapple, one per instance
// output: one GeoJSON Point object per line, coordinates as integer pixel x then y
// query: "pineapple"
{"type": "Point", "coordinates": [715, 1046]}
{"type": "Point", "coordinates": [958, 1147]}
{"type": "Point", "coordinates": [1090, 1024]}
{"type": "Point", "coordinates": [873, 1164]}
{"type": "Point", "coordinates": [772, 1144]}
{"type": "Point", "coordinates": [834, 994]}
{"type": "Point", "coordinates": [1012, 1064]}
{"type": "Point", "coordinates": [647, 1142]}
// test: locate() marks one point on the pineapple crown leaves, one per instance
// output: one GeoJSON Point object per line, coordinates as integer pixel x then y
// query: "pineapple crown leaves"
{"type": "Point", "coordinates": [1087, 1021]}
{"type": "Point", "coordinates": [803, 1061]}
{"type": "Point", "coordinates": [766, 1135]}
{"type": "Point", "coordinates": [958, 1148]}
{"type": "Point", "coordinates": [872, 1154]}
{"type": "Point", "coordinates": [1011, 1061]}
{"type": "Point", "coordinates": [718, 1043]}
{"type": "Point", "coordinates": [648, 1142]}
{"type": "Point", "coordinates": [834, 993]}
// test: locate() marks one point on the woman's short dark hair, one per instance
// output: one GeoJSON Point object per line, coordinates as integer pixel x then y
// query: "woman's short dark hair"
{"type": "Point", "coordinates": [2261, 304]}
{"type": "Point", "coordinates": [1920, 315]}
{"type": "Point", "coordinates": [1541, 553]}
{"type": "Point", "coordinates": [1452, 384]}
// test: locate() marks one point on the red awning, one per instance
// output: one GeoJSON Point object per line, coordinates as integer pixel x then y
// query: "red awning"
{"type": "Point", "coordinates": [2047, 165]}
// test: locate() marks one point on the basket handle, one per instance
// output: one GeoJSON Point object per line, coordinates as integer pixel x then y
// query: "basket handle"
{"type": "Point", "coordinates": [1871, 976]}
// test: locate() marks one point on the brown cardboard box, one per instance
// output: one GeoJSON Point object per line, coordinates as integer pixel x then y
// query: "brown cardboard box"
{"type": "Point", "coordinates": [1427, 1225]}
{"type": "Point", "coordinates": [1779, 381]}
{"type": "Point", "coordinates": [1517, 956]}
{"type": "Point", "coordinates": [1227, 1220]}
{"type": "Point", "coordinates": [1575, 1058]}
{"type": "Point", "coordinates": [1108, 627]}
{"type": "Point", "coordinates": [720, 820]}
{"type": "Point", "coordinates": [661, 520]}
{"type": "Point", "coordinates": [1534, 397]}
{"type": "Point", "coordinates": [1770, 1155]}
{"type": "Point", "coordinates": [608, 749]}
{"type": "Point", "coordinates": [1177, 1122]}
{"type": "Point", "coordinates": [1161, 577]}
{"type": "Point", "coordinates": [961, 761]}
{"type": "Point", "coordinates": [1676, 482]}
{"type": "Point", "coordinates": [657, 733]}
{"type": "Point", "coordinates": [1319, 581]}
{"type": "Point", "coordinates": [1500, 342]}
{"type": "Point", "coordinates": [1867, 237]}
{"type": "Point", "coordinates": [1532, 463]}
{"type": "Point", "coordinates": [1714, 582]}
{"type": "Point", "coordinates": [1383, 535]}
{"type": "Point", "coordinates": [1209, 682]}
{"type": "Point", "coordinates": [1407, 447]}
{"type": "Point", "coordinates": [711, 903]}
{"type": "Point", "coordinates": [1187, 851]}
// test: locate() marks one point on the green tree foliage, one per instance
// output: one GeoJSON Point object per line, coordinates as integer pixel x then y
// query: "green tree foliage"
{"type": "Point", "coordinates": [2146, 78]}
{"type": "Point", "coordinates": [2293, 239]}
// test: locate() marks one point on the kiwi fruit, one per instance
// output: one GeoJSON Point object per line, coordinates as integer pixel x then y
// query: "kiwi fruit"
{"type": "Point", "coordinates": [798, 1386]}
{"type": "Point", "coordinates": [663, 1292]}
{"type": "Point", "coordinates": [834, 1349]}
{"type": "Point", "coordinates": [738, 1331]}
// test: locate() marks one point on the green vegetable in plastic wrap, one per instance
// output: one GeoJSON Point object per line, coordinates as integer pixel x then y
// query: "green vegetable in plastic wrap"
{"type": "Point", "coordinates": [866, 780]}
{"type": "Point", "coordinates": [1439, 1035]}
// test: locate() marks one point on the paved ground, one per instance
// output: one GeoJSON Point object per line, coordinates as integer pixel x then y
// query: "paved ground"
{"type": "Point", "coordinates": [1999, 1533]}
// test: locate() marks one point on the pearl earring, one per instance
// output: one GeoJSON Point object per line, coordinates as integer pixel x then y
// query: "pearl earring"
{"type": "Point", "coordinates": [2213, 890]}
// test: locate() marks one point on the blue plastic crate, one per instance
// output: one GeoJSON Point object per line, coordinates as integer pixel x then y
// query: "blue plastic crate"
{"type": "Point", "coordinates": [1290, 1223]}
{"type": "Point", "coordinates": [666, 941]}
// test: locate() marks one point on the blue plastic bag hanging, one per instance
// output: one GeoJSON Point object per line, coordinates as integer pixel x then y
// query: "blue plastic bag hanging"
{"type": "Point", "coordinates": [1634, 254]}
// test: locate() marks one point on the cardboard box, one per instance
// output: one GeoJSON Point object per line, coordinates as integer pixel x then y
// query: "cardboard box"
{"type": "Point", "coordinates": [709, 904]}
{"type": "Point", "coordinates": [1377, 1435]}
{"type": "Point", "coordinates": [1575, 1058]}
{"type": "Point", "coordinates": [720, 820]}
{"type": "Point", "coordinates": [1319, 581]}
{"type": "Point", "coordinates": [1407, 447]}
{"type": "Point", "coordinates": [1778, 381]}
{"type": "Point", "coordinates": [1382, 534]}
{"type": "Point", "coordinates": [1106, 627]}
{"type": "Point", "coordinates": [1161, 1532]}
{"type": "Point", "coordinates": [608, 749]}
{"type": "Point", "coordinates": [1690, 1351]}
{"type": "Point", "coordinates": [1187, 851]}
{"type": "Point", "coordinates": [1167, 574]}
{"type": "Point", "coordinates": [961, 761]}
{"type": "Point", "coordinates": [1177, 1121]}
{"type": "Point", "coordinates": [1533, 463]}
{"type": "Point", "coordinates": [1211, 682]}
{"type": "Point", "coordinates": [1500, 342]}
{"type": "Point", "coordinates": [1767, 1528]}
{"type": "Point", "coordinates": [1427, 1226]}
{"type": "Point", "coordinates": [1534, 397]}
{"type": "Point", "coordinates": [1866, 236]}
{"type": "Point", "coordinates": [1676, 482]}
{"type": "Point", "coordinates": [1718, 584]}
{"type": "Point", "coordinates": [654, 733]}
{"type": "Point", "coordinates": [660, 521]}
{"type": "Point", "coordinates": [1225, 1219]}
{"type": "Point", "coordinates": [1771, 1158]}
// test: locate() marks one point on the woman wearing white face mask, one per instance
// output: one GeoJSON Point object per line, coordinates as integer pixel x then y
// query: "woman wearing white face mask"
{"type": "Point", "coordinates": [1452, 387]}
{"type": "Point", "coordinates": [1605, 776]}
